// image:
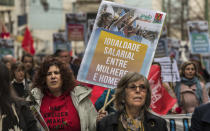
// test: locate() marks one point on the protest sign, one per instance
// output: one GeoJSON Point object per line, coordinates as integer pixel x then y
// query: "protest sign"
{"type": "Point", "coordinates": [162, 48]}
{"type": "Point", "coordinates": [124, 39]}
{"type": "Point", "coordinates": [75, 24]}
{"type": "Point", "coordinates": [199, 37]}
{"type": "Point", "coordinates": [173, 47]}
{"type": "Point", "coordinates": [60, 42]}
{"type": "Point", "coordinates": [206, 62]}
{"type": "Point", "coordinates": [178, 122]}
{"type": "Point", "coordinates": [6, 47]}
{"type": "Point", "coordinates": [169, 69]}
{"type": "Point", "coordinates": [168, 47]}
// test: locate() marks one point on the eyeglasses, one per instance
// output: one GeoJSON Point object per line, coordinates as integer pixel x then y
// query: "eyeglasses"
{"type": "Point", "coordinates": [142, 88]}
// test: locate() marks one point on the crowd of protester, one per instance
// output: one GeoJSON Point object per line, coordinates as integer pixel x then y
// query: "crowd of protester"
{"type": "Point", "coordinates": [64, 103]}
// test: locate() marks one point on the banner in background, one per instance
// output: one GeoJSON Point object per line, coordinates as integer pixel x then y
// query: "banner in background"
{"type": "Point", "coordinates": [124, 39]}
{"type": "Point", "coordinates": [162, 48]}
{"type": "Point", "coordinates": [206, 62]}
{"type": "Point", "coordinates": [6, 47]}
{"type": "Point", "coordinates": [173, 48]}
{"type": "Point", "coordinates": [60, 42]}
{"type": "Point", "coordinates": [199, 37]}
{"type": "Point", "coordinates": [178, 122]}
{"type": "Point", "coordinates": [169, 69]}
{"type": "Point", "coordinates": [75, 26]}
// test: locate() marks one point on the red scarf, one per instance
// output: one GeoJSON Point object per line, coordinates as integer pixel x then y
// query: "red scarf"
{"type": "Point", "coordinates": [59, 113]}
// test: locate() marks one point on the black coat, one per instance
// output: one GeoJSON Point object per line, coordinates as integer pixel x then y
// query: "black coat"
{"type": "Point", "coordinates": [25, 118]}
{"type": "Point", "coordinates": [151, 123]}
{"type": "Point", "coordinates": [201, 118]}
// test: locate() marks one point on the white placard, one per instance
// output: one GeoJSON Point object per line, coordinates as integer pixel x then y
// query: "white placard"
{"type": "Point", "coordinates": [168, 69]}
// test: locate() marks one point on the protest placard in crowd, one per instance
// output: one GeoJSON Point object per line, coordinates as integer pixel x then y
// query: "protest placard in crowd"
{"type": "Point", "coordinates": [75, 26]}
{"type": "Point", "coordinates": [6, 47]}
{"type": "Point", "coordinates": [162, 48]}
{"type": "Point", "coordinates": [124, 39]}
{"type": "Point", "coordinates": [168, 47]}
{"type": "Point", "coordinates": [178, 122]}
{"type": "Point", "coordinates": [169, 69]}
{"type": "Point", "coordinates": [60, 42]}
{"type": "Point", "coordinates": [199, 37]}
{"type": "Point", "coordinates": [206, 62]}
{"type": "Point", "coordinates": [173, 48]}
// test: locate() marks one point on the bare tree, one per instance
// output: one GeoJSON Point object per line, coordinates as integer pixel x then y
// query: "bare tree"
{"type": "Point", "coordinates": [181, 11]}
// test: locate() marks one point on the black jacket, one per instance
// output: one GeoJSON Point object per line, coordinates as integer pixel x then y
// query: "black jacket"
{"type": "Point", "coordinates": [201, 118]}
{"type": "Point", "coordinates": [151, 123]}
{"type": "Point", "coordinates": [24, 119]}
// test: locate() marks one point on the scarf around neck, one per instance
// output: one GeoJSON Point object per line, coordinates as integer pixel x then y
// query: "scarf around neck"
{"type": "Point", "coordinates": [132, 124]}
{"type": "Point", "coordinates": [189, 82]}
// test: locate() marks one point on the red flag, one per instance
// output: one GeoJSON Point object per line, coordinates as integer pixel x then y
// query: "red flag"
{"type": "Point", "coordinates": [27, 43]}
{"type": "Point", "coordinates": [4, 34]}
{"type": "Point", "coordinates": [161, 101]}
{"type": "Point", "coordinates": [97, 91]}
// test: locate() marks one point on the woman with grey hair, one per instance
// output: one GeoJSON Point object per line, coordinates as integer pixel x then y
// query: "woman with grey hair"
{"type": "Point", "coordinates": [133, 97]}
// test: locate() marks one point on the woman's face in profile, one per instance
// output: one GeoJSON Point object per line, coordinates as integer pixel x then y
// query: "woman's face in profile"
{"type": "Point", "coordinates": [135, 94]}
{"type": "Point", "coordinates": [54, 81]}
{"type": "Point", "coordinates": [189, 71]}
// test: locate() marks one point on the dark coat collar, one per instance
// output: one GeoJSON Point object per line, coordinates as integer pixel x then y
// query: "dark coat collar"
{"type": "Point", "coordinates": [114, 117]}
{"type": "Point", "coordinates": [205, 110]}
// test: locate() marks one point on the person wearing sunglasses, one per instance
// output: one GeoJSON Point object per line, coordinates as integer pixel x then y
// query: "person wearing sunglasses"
{"type": "Point", "coordinates": [132, 100]}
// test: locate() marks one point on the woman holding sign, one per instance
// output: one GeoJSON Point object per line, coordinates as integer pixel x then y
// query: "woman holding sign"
{"type": "Point", "coordinates": [190, 91]}
{"type": "Point", "coordinates": [63, 105]}
{"type": "Point", "coordinates": [132, 102]}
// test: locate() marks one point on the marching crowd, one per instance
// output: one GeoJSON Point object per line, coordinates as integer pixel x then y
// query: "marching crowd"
{"type": "Point", "coordinates": [50, 86]}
